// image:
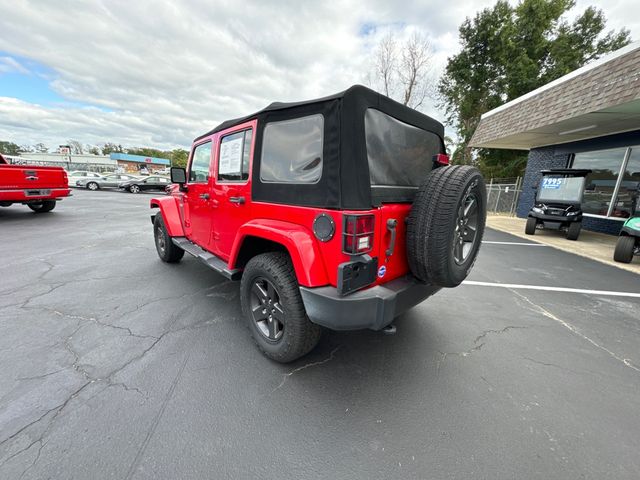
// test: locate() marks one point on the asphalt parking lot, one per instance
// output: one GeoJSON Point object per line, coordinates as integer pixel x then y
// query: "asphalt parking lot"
{"type": "Point", "coordinates": [116, 365]}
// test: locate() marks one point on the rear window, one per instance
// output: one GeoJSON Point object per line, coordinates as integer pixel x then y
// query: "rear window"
{"type": "Point", "coordinates": [292, 150]}
{"type": "Point", "coordinates": [399, 154]}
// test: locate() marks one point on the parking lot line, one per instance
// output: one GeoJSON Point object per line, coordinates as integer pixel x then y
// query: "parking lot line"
{"type": "Point", "coordinates": [516, 243]}
{"type": "Point", "coordinates": [552, 289]}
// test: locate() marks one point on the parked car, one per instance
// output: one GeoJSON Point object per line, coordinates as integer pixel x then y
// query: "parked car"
{"type": "Point", "coordinates": [106, 181]}
{"type": "Point", "coordinates": [344, 216]}
{"type": "Point", "coordinates": [153, 182]}
{"type": "Point", "coordinates": [76, 175]}
{"type": "Point", "coordinates": [39, 188]}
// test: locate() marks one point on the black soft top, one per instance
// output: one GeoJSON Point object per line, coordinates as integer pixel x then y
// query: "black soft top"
{"type": "Point", "coordinates": [345, 180]}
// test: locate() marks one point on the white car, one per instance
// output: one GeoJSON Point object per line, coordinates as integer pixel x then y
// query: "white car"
{"type": "Point", "coordinates": [81, 175]}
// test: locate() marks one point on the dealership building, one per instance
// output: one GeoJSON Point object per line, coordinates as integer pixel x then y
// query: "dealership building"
{"type": "Point", "coordinates": [95, 163]}
{"type": "Point", "coordinates": [588, 119]}
{"type": "Point", "coordinates": [137, 163]}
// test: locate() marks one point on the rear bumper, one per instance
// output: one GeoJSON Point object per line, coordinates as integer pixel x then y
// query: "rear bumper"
{"type": "Point", "coordinates": [33, 194]}
{"type": "Point", "coordinates": [374, 308]}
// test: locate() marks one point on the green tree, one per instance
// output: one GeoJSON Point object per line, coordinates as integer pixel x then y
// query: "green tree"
{"type": "Point", "coordinates": [148, 152]}
{"type": "Point", "coordinates": [108, 148]}
{"type": "Point", "coordinates": [93, 149]}
{"type": "Point", "coordinates": [508, 51]}
{"type": "Point", "coordinates": [10, 148]}
{"type": "Point", "coordinates": [179, 157]}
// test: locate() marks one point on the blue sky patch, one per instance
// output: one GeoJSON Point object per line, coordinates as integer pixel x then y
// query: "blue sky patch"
{"type": "Point", "coordinates": [30, 81]}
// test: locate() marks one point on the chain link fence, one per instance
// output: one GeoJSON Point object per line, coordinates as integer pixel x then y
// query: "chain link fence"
{"type": "Point", "coordinates": [503, 195]}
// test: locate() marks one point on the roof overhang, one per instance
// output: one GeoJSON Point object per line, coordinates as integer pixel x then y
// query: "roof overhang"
{"type": "Point", "coordinates": [602, 98]}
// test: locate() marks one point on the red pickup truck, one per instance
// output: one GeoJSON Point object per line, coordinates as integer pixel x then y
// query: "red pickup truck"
{"type": "Point", "coordinates": [39, 188]}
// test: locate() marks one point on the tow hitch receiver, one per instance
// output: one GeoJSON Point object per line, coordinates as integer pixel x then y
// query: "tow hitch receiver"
{"type": "Point", "coordinates": [389, 329]}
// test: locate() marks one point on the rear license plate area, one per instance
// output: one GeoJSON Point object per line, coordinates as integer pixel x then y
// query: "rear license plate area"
{"type": "Point", "coordinates": [37, 193]}
{"type": "Point", "coordinates": [353, 276]}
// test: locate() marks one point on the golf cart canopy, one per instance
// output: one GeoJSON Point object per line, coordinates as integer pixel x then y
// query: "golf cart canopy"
{"type": "Point", "coordinates": [562, 186]}
{"type": "Point", "coordinates": [352, 150]}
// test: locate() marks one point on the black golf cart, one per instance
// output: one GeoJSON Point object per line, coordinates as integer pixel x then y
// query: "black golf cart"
{"type": "Point", "coordinates": [558, 202]}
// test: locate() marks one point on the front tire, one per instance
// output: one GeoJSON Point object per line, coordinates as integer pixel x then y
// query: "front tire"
{"type": "Point", "coordinates": [42, 207]}
{"type": "Point", "coordinates": [624, 249]}
{"type": "Point", "coordinates": [573, 232]}
{"type": "Point", "coordinates": [134, 189]}
{"type": "Point", "coordinates": [93, 186]}
{"type": "Point", "coordinates": [446, 225]}
{"type": "Point", "coordinates": [530, 228]}
{"type": "Point", "coordinates": [273, 308]}
{"type": "Point", "coordinates": [167, 250]}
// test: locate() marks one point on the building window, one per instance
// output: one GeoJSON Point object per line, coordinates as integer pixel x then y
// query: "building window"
{"type": "Point", "coordinates": [292, 150]}
{"type": "Point", "coordinates": [604, 181]}
{"type": "Point", "coordinates": [628, 200]}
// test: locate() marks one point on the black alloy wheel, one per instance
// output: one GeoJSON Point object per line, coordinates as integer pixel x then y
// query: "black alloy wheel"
{"type": "Point", "coordinates": [266, 310]}
{"type": "Point", "coordinates": [466, 232]}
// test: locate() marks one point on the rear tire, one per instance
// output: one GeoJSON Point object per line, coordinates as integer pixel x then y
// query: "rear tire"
{"type": "Point", "coordinates": [573, 232]}
{"type": "Point", "coordinates": [167, 250]}
{"type": "Point", "coordinates": [42, 207]}
{"type": "Point", "coordinates": [273, 308]}
{"type": "Point", "coordinates": [446, 225]}
{"type": "Point", "coordinates": [624, 249]}
{"type": "Point", "coordinates": [530, 228]}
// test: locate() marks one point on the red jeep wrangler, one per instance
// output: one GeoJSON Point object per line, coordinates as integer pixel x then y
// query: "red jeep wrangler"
{"type": "Point", "coordinates": [338, 212]}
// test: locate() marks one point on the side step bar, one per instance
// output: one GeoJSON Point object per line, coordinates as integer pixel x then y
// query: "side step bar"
{"type": "Point", "coordinates": [209, 259]}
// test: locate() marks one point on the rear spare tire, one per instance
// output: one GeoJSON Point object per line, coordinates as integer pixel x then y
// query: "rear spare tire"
{"type": "Point", "coordinates": [446, 225]}
{"type": "Point", "coordinates": [624, 249]}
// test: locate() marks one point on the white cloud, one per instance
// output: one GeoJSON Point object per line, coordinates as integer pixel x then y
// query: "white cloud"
{"type": "Point", "coordinates": [161, 73]}
{"type": "Point", "coordinates": [11, 65]}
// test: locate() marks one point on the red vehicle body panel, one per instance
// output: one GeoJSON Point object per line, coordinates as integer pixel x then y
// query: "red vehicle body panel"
{"type": "Point", "coordinates": [23, 184]}
{"type": "Point", "coordinates": [224, 226]}
{"type": "Point", "coordinates": [170, 210]}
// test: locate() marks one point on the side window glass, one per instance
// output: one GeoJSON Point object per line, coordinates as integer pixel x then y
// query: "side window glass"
{"type": "Point", "coordinates": [200, 162]}
{"type": "Point", "coordinates": [292, 150]}
{"type": "Point", "coordinates": [233, 163]}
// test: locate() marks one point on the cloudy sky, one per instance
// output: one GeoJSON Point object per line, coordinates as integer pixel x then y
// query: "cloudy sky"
{"type": "Point", "coordinates": [143, 73]}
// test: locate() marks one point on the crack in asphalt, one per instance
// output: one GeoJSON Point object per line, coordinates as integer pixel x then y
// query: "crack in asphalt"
{"type": "Point", "coordinates": [156, 420]}
{"type": "Point", "coordinates": [476, 348]}
{"type": "Point", "coordinates": [40, 439]}
{"type": "Point", "coordinates": [497, 332]}
{"type": "Point", "coordinates": [77, 366]}
{"type": "Point", "coordinates": [286, 376]}
{"type": "Point", "coordinates": [534, 307]}
{"type": "Point", "coordinates": [44, 375]}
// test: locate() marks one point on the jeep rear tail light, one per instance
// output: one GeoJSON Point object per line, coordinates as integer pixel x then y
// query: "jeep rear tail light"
{"type": "Point", "coordinates": [441, 159]}
{"type": "Point", "coordinates": [357, 234]}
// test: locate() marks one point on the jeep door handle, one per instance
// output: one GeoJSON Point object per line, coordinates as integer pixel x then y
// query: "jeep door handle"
{"type": "Point", "coordinates": [238, 200]}
{"type": "Point", "coordinates": [392, 223]}
{"type": "Point", "coordinates": [204, 196]}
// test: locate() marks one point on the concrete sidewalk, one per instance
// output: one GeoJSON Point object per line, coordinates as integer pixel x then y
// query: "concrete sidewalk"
{"type": "Point", "coordinates": [596, 246]}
